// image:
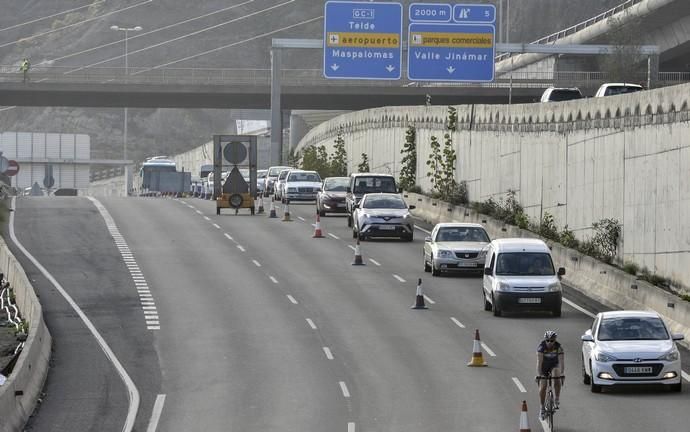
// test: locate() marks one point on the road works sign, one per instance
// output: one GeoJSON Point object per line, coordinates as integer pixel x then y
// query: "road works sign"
{"type": "Point", "coordinates": [362, 40]}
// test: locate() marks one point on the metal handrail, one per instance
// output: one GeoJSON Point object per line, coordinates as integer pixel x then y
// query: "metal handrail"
{"type": "Point", "coordinates": [577, 27]}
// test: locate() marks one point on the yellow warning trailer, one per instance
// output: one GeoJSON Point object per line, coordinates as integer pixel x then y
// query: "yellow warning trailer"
{"type": "Point", "coordinates": [232, 152]}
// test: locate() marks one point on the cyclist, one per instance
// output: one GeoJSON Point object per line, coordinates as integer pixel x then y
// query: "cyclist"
{"type": "Point", "coordinates": [550, 360]}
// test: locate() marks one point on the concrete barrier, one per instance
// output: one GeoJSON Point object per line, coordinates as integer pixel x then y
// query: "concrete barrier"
{"type": "Point", "coordinates": [19, 394]}
{"type": "Point", "coordinates": [602, 282]}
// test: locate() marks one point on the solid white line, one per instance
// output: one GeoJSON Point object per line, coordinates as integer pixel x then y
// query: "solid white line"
{"type": "Point", "coordinates": [132, 392]}
{"type": "Point", "coordinates": [311, 323]}
{"type": "Point", "coordinates": [375, 262]}
{"type": "Point", "coordinates": [228, 236]}
{"type": "Point", "coordinates": [351, 247]}
{"type": "Point", "coordinates": [351, 427]}
{"type": "Point", "coordinates": [399, 278]}
{"type": "Point", "coordinates": [256, 263]}
{"type": "Point", "coordinates": [519, 385]}
{"type": "Point", "coordinates": [343, 387]}
{"type": "Point", "coordinates": [292, 299]}
{"type": "Point", "coordinates": [580, 308]}
{"type": "Point", "coordinates": [329, 354]}
{"type": "Point", "coordinates": [429, 299]}
{"type": "Point", "coordinates": [488, 350]}
{"type": "Point", "coordinates": [274, 280]}
{"type": "Point", "coordinates": [207, 218]}
{"type": "Point", "coordinates": [334, 236]}
{"type": "Point", "coordinates": [241, 248]}
{"type": "Point", "coordinates": [216, 225]}
{"type": "Point", "coordinates": [423, 230]}
{"type": "Point", "coordinates": [458, 323]}
{"type": "Point", "coordinates": [685, 375]}
{"type": "Point", "coordinates": [156, 413]}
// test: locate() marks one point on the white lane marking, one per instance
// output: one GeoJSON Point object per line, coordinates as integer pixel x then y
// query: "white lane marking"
{"type": "Point", "coordinates": [488, 350]}
{"type": "Point", "coordinates": [544, 425]}
{"type": "Point", "coordinates": [685, 375]}
{"type": "Point", "coordinates": [274, 280]}
{"type": "Point", "coordinates": [519, 385]}
{"type": "Point", "coordinates": [351, 247]}
{"type": "Point", "coordinates": [153, 328]}
{"type": "Point", "coordinates": [216, 225]}
{"type": "Point", "coordinates": [151, 313]}
{"type": "Point", "coordinates": [329, 354]}
{"type": "Point", "coordinates": [199, 212]}
{"type": "Point", "coordinates": [351, 427]}
{"type": "Point", "coordinates": [156, 413]}
{"type": "Point", "coordinates": [334, 236]}
{"type": "Point", "coordinates": [580, 308]}
{"type": "Point", "coordinates": [207, 218]}
{"type": "Point", "coordinates": [311, 323]}
{"type": "Point", "coordinates": [240, 247]}
{"type": "Point", "coordinates": [423, 230]}
{"type": "Point", "coordinates": [458, 323]}
{"type": "Point", "coordinates": [301, 218]}
{"type": "Point", "coordinates": [292, 299]}
{"type": "Point", "coordinates": [153, 322]}
{"type": "Point", "coordinates": [399, 278]}
{"type": "Point", "coordinates": [429, 299]}
{"type": "Point", "coordinates": [375, 262]}
{"type": "Point", "coordinates": [256, 263]}
{"type": "Point", "coordinates": [228, 236]}
{"type": "Point", "coordinates": [149, 308]}
{"type": "Point", "coordinates": [343, 387]}
{"type": "Point", "coordinates": [132, 392]}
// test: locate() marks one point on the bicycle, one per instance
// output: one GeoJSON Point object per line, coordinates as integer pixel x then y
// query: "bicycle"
{"type": "Point", "coordinates": [549, 401]}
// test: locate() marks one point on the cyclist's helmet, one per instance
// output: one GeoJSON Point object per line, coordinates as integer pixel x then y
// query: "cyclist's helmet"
{"type": "Point", "coordinates": [550, 334]}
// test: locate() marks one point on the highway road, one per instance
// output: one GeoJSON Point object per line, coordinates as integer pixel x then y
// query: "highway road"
{"type": "Point", "coordinates": [253, 325]}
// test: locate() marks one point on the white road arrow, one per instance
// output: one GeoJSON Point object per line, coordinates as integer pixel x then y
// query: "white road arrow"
{"type": "Point", "coordinates": [335, 67]}
{"type": "Point", "coordinates": [390, 68]}
{"type": "Point", "coordinates": [450, 69]}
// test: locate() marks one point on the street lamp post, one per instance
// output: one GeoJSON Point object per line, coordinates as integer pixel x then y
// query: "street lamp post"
{"type": "Point", "coordinates": [124, 137]}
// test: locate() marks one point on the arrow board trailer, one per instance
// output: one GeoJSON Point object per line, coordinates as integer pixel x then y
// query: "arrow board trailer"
{"type": "Point", "coordinates": [235, 154]}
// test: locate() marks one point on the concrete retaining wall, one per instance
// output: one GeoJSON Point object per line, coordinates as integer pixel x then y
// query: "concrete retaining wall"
{"type": "Point", "coordinates": [623, 157]}
{"type": "Point", "coordinates": [597, 280]}
{"type": "Point", "coordinates": [20, 392]}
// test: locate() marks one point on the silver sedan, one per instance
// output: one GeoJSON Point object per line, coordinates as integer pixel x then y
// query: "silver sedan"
{"type": "Point", "coordinates": [455, 247]}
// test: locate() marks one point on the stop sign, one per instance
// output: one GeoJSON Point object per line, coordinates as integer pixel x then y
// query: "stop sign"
{"type": "Point", "coordinates": [12, 168]}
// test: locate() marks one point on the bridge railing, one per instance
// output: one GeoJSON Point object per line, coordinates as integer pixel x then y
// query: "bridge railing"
{"type": "Point", "coordinates": [553, 37]}
{"type": "Point", "coordinates": [298, 78]}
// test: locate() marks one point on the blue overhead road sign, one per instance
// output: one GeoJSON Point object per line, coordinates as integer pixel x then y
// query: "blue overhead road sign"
{"type": "Point", "coordinates": [451, 52]}
{"type": "Point", "coordinates": [474, 13]}
{"type": "Point", "coordinates": [362, 40]}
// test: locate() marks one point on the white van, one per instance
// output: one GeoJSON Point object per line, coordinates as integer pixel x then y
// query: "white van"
{"type": "Point", "coordinates": [519, 275]}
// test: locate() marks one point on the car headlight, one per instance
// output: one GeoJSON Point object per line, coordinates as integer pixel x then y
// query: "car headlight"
{"type": "Point", "coordinates": [670, 356]}
{"type": "Point", "coordinates": [604, 358]}
{"type": "Point", "coordinates": [407, 216]}
{"type": "Point", "coordinates": [445, 254]}
{"type": "Point", "coordinates": [502, 286]}
{"type": "Point", "coordinates": [554, 287]}
{"type": "Point", "coordinates": [482, 253]}
{"type": "Point", "coordinates": [366, 215]}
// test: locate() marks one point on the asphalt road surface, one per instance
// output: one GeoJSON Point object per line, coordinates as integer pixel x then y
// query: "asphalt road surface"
{"type": "Point", "coordinates": [253, 325]}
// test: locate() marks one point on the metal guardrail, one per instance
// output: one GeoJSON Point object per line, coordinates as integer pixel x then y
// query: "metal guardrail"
{"type": "Point", "coordinates": [577, 27]}
{"type": "Point", "coordinates": [295, 77]}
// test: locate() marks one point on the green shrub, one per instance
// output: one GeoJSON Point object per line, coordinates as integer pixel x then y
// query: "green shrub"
{"type": "Point", "coordinates": [458, 195]}
{"type": "Point", "coordinates": [415, 189]}
{"type": "Point", "coordinates": [548, 228]}
{"type": "Point", "coordinates": [607, 232]}
{"type": "Point", "coordinates": [631, 267]}
{"type": "Point", "coordinates": [685, 297]}
{"type": "Point", "coordinates": [567, 238]}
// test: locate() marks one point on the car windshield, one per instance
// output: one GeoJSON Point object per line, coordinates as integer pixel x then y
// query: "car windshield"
{"type": "Point", "coordinates": [304, 177]}
{"type": "Point", "coordinates": [365, 185]}
{"type": "Point", "coordinates": [616, 90]}
{"type": "Point", "coordinates": [384, 202]}
{"type": "Point", "coordinates": [632, 328]}
{"type": "Point", "coordinates": [461, 234]}
{"type": "Point", "coordinates": [336, 184]}
{"type": "Point", "coordinates": [524, 264]}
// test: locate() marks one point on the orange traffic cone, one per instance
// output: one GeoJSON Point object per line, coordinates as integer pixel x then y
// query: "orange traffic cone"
{"type": "Point", "coordinates": [317, 228]}
{"type": "Point", "coordinates": [358, 256]}
{"type": "Point", "coordinates": [524, 421]}
{"type": "Point", "coordinates": [272, 211]}
{"type": "Point", "coordinates": [419, 301]}
{"type": "Point", "coordinates": [477, 357]}
{"type": "Point", "coordinates": [286, 212]}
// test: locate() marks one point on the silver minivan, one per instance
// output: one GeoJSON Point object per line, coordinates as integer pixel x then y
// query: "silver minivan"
{"type": "Point", "coordinates": [519, 275]}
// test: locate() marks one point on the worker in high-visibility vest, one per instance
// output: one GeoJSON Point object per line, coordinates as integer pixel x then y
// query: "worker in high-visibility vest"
{"type": "Point", "coordinates": [24, 68]}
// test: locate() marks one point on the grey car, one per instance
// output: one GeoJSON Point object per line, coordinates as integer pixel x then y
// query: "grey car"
{"type": "Point", "coordinates": [382, 215]}
{"type": "Point", "coordinates": [455, 247]}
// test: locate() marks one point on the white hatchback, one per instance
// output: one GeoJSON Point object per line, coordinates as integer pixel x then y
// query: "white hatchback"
{"type": "Point", "coordinates": [630, 347]}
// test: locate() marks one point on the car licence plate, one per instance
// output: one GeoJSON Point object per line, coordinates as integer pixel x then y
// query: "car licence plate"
{"type": "Point", "coordinates": [638, 369]}
{"type": "Point", "coordinates": [467, 264]}
{"type": "Point", "coordinates": [386, 227]}
{"type": "Point", "coordinates": [530, 300]}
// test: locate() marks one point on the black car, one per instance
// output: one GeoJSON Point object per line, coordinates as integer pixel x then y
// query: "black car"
{"type": "Point", "coordinates": [331, 199]}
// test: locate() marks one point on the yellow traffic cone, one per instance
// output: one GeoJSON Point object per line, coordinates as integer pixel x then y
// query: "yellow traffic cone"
{"type": "Point", "coordinates": [477, 357]}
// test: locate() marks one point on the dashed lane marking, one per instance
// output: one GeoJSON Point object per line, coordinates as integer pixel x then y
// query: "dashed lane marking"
{"type": "Point", "coordinates": [216, 225]}
{"type": "Point", "coordinates": [274, 280]}
{"type": "Point", "coordinates": [458, 323]}
{"type": "Point", "coordinates": [229, 237]}
{"type": "Point", "coordinates": [429, 299]}
{"type": "Point", "coordinates": [343, 388]}
{"type": "Point", "coordinates": [334, 236]}
{"type": "Point", "coordinates": [399, 278]}
{"type": "Point", "coordinates": [351, 247]}
{"type": "Point", "coordinates": [207, 218]}
{"type": "Point", "coordinates": [301, 218]}
{"type": "Point", "coordinates": [351, 427]}
{"type": "Point", "coordinates": [519, 385]}
{"type": "Point", "coordinates": [685, 376]}
{"type": "Point", "coordinates": [375, 262]}
{"type": "Point", "coordinates": [311, 324]}
{"type": "Point", "coordinates": [329, 354]}
{"type": "Point", "coordinates": [240, 247]}
{"type": "Point", "coordinates": [292, 299]}
{"type": "Point", "coordinates": [580, 308]}
{"type": "Point", "coordinates": [488, 350]}
{"type": "Point", "coordinates": [199, 212]}
{"type": "Point", "coordinates": [256, 263]}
